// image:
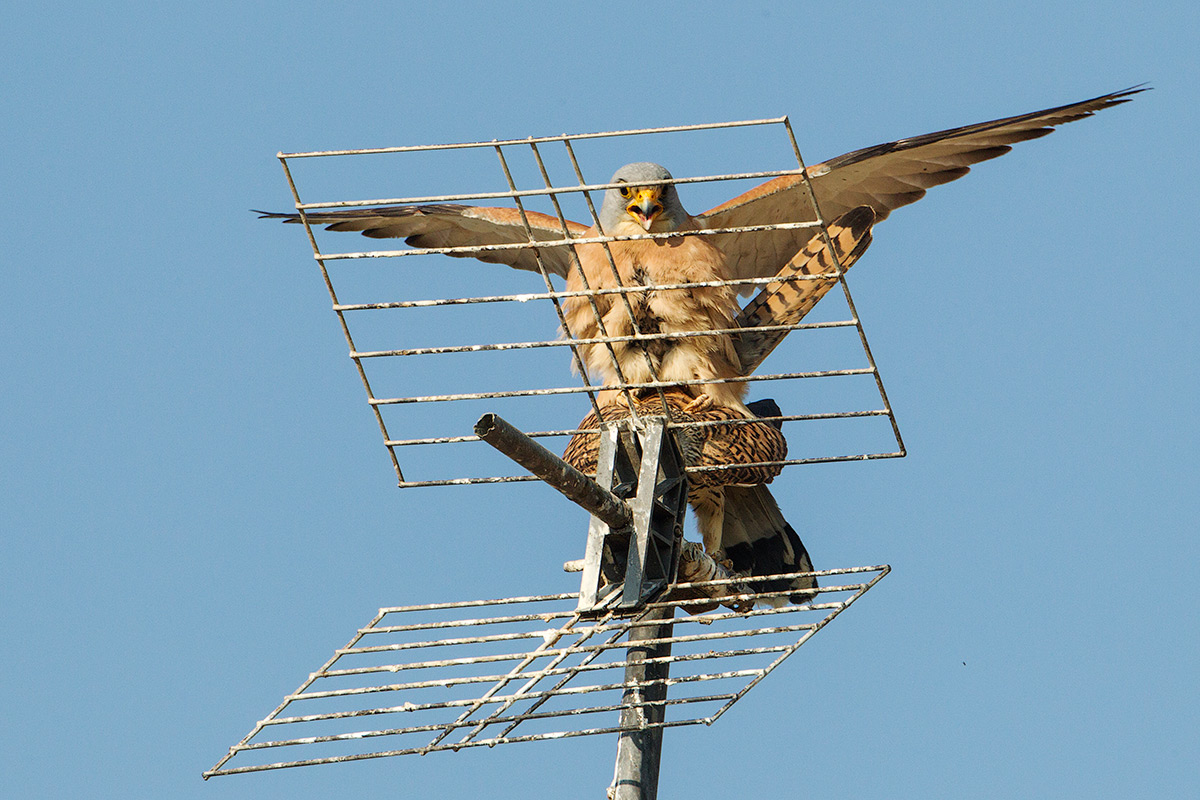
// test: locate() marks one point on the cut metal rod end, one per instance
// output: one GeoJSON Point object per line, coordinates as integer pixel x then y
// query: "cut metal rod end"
{"type": "Point", "coordinates": [573, 484]}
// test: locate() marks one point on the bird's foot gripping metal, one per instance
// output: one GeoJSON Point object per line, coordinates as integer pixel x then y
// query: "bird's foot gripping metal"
{"type": "Point", "coordinates": [625, 567]}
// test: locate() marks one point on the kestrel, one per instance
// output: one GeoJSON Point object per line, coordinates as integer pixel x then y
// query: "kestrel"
{"type": "Point", "coordinates": [644, 200]}
{"type": "Point", "coordinates": [884, 177]}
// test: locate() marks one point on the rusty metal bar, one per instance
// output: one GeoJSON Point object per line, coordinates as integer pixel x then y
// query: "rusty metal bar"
{"type": "Point", "coordinates": [582, 685]}
{"type": "Point", "coordinates": [537, 139]}
{"type": "Point", "coordinates": [640, 337]}
{"type": "Point", "coordinates": [549, 243]}
{"type": "Point", "coordinates": [440, 398]}
{"type": "Point", "coordinates": [577, 487]}
{"type": "Point", "coordinates": [551, 191]}
{"type": "Point", "coordinates": [877, 412]}
{"type": "Point", "coordinates": [362, 373]}
{"type": "Point", "coordinates": [576, 357]}
{"type": "Point", "coordinates": [525, 297]}
{"type": "Point", "coordinates": [862, 334]}
{"type": "Point", "coordinates": [789, 462]}
{"type": "Point", "coordinates": [577, 267]}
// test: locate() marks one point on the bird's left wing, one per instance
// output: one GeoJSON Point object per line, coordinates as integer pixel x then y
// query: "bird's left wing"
{"type": "Point", "coordinates": [476, 229]}
{"type": "Point", "coordinates": [884, 177]}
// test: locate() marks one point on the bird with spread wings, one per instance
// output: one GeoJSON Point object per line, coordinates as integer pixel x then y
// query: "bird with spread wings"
{"type": "Point", "coordinates": [884, 177]}
{"type": "Point", "coordinates": [652, 326]}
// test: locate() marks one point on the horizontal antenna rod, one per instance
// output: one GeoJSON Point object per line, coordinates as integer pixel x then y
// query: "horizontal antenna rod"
{"type": "Point", "coordinates": [576, 486]}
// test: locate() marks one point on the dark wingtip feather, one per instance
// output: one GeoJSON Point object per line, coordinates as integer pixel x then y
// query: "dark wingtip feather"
{"type": "Point", "coordinates": [1125, 95]}
{"type": "Point", "coordinates": [859, 220]}
{"type": "Point", "coordinates": [767, 408]}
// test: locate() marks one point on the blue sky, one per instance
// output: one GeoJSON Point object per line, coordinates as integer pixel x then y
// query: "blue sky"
{"type": "Point", "coordinates": [196, 508]}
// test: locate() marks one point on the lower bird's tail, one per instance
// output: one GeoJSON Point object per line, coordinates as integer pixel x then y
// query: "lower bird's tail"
{"type": "Point", "coordinates": [756, 537]}
{"type": "Point", "coordinates": [760, 542]}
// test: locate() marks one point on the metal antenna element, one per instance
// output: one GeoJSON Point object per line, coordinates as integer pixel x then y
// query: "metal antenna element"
{"type": "Point", "coordinates": [647, 467]}
{"type": "Point", "coordinates": [631, 546]}
{"type": "Point", "coordinates": [447, 676]}
{"type": "Point", "coordinates": [660, 634]}
{"type": "Point", "coordinates": [644, 710]}
{"type": "Point", "coordinates": [401, 343]}
{"type": "Point", "coordinates": [576, 486]}
{"type": "Point", "coordinates": [560, 663]}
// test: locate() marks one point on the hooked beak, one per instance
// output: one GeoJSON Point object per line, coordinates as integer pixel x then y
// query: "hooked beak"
{"type": "Point", "coordinates": [645, 206]}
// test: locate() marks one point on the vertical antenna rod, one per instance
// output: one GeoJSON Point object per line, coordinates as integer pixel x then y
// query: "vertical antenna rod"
{"type": "Point", "coordinates": [639, 751]}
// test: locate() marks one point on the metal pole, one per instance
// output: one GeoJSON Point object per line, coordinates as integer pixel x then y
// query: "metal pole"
{"type": "Point", "coordinates": [553, 470]}
{"type": "Point", "coordinates": [639, 751]}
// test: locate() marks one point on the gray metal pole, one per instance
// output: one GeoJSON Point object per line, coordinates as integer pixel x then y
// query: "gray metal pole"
{"type": "Point", "coordinates": [577, 487]}
{"type": "Point", "coordinates": [639, 751]}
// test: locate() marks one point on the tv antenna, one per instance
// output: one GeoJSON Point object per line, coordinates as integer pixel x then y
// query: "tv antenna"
{"type": "Point", "coordinates": [659, 633]}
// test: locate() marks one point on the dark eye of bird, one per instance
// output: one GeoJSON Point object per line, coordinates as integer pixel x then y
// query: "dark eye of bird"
{"type": "Point", "coordinates": [625, 191]}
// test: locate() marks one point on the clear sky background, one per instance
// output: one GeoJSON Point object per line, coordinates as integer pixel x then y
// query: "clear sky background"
{"type": "Point", "coordinates": [196, 508]}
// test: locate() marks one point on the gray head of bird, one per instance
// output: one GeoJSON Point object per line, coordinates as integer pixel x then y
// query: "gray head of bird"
{"type": "Point", "coordinates": [643, 203]}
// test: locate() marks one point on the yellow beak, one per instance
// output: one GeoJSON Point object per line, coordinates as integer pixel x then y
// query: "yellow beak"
{"type": "Point", "coordinates": [645, 206]}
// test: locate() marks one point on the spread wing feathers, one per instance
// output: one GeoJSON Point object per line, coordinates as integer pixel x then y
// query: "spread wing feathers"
{"type": "Point", "coordinates": [745, 447]}
{"type": "Point", "coordinates": [786, 302]}
{"type": "Point", "coordinates": [471, 227]}
{"type": "Point", "coordinates": [885, 177]}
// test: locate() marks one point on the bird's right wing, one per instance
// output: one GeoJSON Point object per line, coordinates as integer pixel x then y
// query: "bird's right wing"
{"type": "Point", "coordinates": [488, 234]}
